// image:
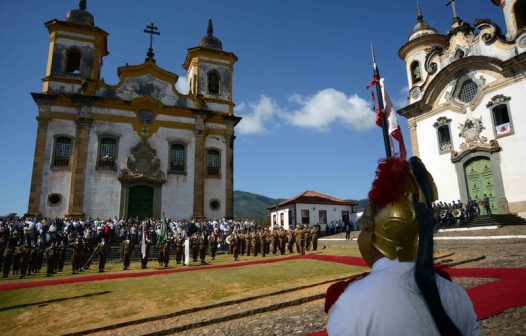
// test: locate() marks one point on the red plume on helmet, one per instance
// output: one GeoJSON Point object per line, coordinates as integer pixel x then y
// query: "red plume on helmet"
{"type": "Point", "coordinates": [390, 181]}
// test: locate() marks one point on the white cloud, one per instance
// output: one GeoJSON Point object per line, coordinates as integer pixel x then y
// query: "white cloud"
{"type": "Point", "coordinates": [328, 106]}
{"type": "Point", "coordinates": [182, 85]}
{"type": "Point", "coordinates": [260, 114]}
{"type": "Point", "coordinates": [317, 112]}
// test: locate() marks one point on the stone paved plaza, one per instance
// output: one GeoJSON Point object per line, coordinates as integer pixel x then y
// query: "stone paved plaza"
{"type": "Point", "coordinates": [301, 319]}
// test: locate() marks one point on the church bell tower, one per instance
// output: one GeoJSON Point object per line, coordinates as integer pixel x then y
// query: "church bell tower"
{"type": "Point", "coordinates": [76, 49]}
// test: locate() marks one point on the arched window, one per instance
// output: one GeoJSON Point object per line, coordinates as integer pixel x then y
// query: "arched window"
{"type": "Point", "coordinates": [146, 117]}
{"type": "Point", "coordinates": [73, 61]}
{"type": "Point", "coordinates": [213, 162]}
{"type": "Point", "coordinates": [520, 14]}
{"type": "Point", "coordinates": [107, 152]}
{"type": "Point", "coordinates": [468, 91]}
{"type": "Point", "coordinates": [416, 74]}
{"type": "Point", "coordinates": [177, 159]}
{"type": "Point", "coordinates": [62, 151]}
{"type": "Point", "coordinates": [213, 82]}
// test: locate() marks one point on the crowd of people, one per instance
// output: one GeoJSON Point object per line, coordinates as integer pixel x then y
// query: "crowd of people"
{"type": "Point", "coordinates": [455, 213]}
{"type": "Point", "coordinates": [27, 244]}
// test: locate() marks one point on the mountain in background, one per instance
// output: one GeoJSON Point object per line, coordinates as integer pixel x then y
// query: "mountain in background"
{"type": "Point", "coordinates": [254, 206]}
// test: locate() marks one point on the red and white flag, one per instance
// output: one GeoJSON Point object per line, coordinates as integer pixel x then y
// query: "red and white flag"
{"type": "Point", "coordinates": [393, 128]}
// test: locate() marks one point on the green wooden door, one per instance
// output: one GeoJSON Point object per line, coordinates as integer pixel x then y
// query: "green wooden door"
{"type": "Point", "coordinates": [480, 181]}
{"type": "Point", "coordinates": [140, 202]}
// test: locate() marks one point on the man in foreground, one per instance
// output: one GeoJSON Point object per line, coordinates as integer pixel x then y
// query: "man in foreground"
{"type": "Point", "coordinates": [402, 295]}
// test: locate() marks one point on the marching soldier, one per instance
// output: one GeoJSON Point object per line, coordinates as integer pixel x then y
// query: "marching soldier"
{"type": "Point", "coordinates": [234, 242]}
{"type": "Point", "coordinates": [292, 240]}
{"type": "Point", "coordinates": [17, 256]}
{"type": "Point", "coordinates": [202, 247]}
{"type": "Point", "coordinates": [126, 248]}
{"type": "Point", "coordinates": [262, 243]}
{"type": "Point", "coordinates": [273, 242]}
{"type": "Point", "coordinates": [306, 233]}
{"type": "Point", "coordinates": [178, 249]}
{"type": "Point", "coordinates": [314, 234]}
{"type": "Point", "coordinates": [24, 260]}
{"type": "Point", "coordinates": [4, 237]}
{"type": "Point", "coordinates": [102, 249]}
{"type": "Point", "coordinates": [248, 240]}
{"type": "Point", "coordinates": [194, 246]}
{"type": "Point", "coordinates": [50, 259]}
{"type": "Point", "coordinates": [282, 238]}
{"type": "Point", "coordinates": [212, 242]}
{"type": "Point", "coordinates": [76, 256]}
{"type": "Point", "coordinates": [298, 240]}
{"type": "Point", "coordinates": [242, 243]}
{"type": "Point", "coordinates": [61, 255]}
{"type": "Point", "coordinates": [160, 250]}
{"type": "Point", "coordinates": [255, 243]}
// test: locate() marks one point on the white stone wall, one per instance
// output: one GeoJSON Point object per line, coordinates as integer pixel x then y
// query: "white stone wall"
{"type": "Point", "coordinates": [286, 211]}
{"type": "Point", "coordinates": [178, 191]}
{"type": "Point", "coordinates": [56, 180]}
{"type": "Point", "coordinates": [334, 212]}
{"type": "Point", "coordinates": [215, 188]}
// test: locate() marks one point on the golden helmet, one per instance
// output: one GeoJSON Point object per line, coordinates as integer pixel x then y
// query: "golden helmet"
{"type": "Point", "coordinates": [391, 211]}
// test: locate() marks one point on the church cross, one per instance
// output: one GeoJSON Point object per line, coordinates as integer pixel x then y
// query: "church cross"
{"type": "Point", "coordinates": [453, 7]}
{"type": "Point", "coordinates": [152, 30]}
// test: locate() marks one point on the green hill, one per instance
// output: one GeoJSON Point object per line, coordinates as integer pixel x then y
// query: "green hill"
{"type": "Point", "coordinates": [253, 206]}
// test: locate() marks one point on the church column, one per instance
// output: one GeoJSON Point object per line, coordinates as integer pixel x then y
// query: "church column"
{"type": "Point", "coordinates": [199, 168]}
{"type": "Point", "coordinates": [411, 123]}
{"type": "Point", "coordinates": [38, 167]}
{"type": "Point", "coordinates": [229, 175]}
{"type": "Point", "coordinates": [78, 167]}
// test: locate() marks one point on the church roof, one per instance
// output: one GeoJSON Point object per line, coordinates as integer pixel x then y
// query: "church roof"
{"type": "Point", "coordinates": [313, 197]}
{"type": "Point", "coordinates": [421, 27]}
{"type": "Point", "coordinates": [209, 40]}
{"type": "Point", "coordinates": [81, 16]}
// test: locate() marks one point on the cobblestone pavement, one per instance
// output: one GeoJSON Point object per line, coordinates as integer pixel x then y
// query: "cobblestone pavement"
{"type": "Point", "coordinates": [309, 317]}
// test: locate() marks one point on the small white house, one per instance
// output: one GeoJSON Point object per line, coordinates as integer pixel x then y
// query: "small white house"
{"type": "Point", "coordinates": [311, 208]}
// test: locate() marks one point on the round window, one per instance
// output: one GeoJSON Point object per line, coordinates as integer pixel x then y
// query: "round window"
{"type": "Point", "coordinates": [215, 204]}
{"type": "Point", "coordinates": [54, 199]}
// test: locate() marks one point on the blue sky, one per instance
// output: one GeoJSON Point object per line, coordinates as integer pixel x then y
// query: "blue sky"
{"type": "Point", "coordinates": [299, 82]}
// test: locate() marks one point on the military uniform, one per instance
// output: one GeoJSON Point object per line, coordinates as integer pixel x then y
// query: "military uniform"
{"type": "Point", "coordinates": [178, 249]}
{"type": "Point", "coordinates": [202, 248]}
{"type": "Point", "coordinates": [76, 255]}
{"type": "Point", "coordinates": [146, 255]}
{"type": "Point", "coordinates": [255, 243]}
{"type": "Point", "coordinates": [307, 238]}
{"type": "Point", "coordinates": [234, 242]}
{"type": "Point", "coordinates": [282, 238]}
{"type": "Point", "coordinates": [126, 248]}
{"type": "Point", "coordinates": [262, 243]}
{"type": "Point", "coordinates": [24, 260]}
{"type": "Point", "coordinates": [292, 240]}
{"type": "Point", "coordinates": [212, 242]}
{"type": "Point", "coordinates": [314, 234]}
{"type": "Point", "coordinates": [195, 247]}
{"type": "Point", "coordinates": [50, 259]}
{"type": "Point", "coordinates": [248, 240]}
{"type": "Point", "coordinates": [61, 256]}
{"type": "Point", "coordinates": [102, 249]}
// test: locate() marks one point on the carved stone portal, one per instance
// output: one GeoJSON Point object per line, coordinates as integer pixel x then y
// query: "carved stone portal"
{"type": "Point", "coordinates": [470, 130]}
{"type": "Point", "coordinates": [142, 165]}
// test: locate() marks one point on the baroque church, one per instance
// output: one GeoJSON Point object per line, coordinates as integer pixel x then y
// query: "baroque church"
{"type": "Point", "coordinates": [138, 147]}
{"type": "Point", "coordinates": [466, 112]}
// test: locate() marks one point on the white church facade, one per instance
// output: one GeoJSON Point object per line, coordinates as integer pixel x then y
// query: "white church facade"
{"type": "Point", "coordinates": [466, 112]}
{"type": "Point", "coordinates": [137, 147]}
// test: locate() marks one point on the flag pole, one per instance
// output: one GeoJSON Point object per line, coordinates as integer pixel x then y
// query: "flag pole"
{"type": "Point", "coordinates": [376, 74]}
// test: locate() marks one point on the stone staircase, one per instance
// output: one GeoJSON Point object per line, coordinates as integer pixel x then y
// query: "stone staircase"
{"type": "Point", "coordinates": [506, 219]}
